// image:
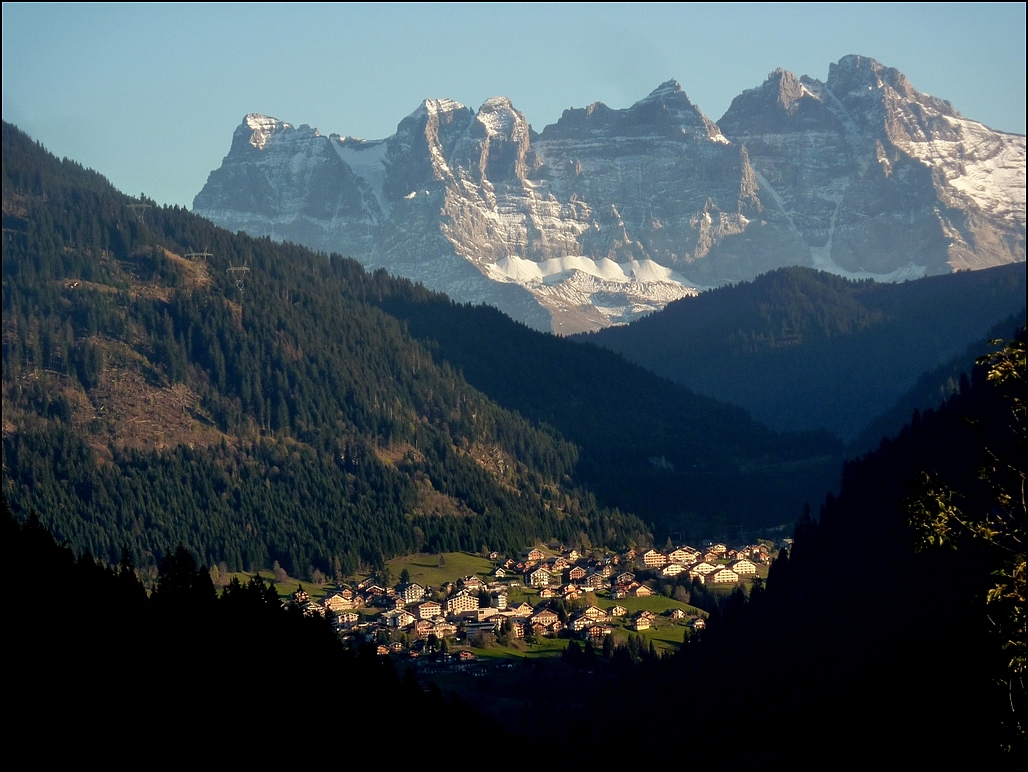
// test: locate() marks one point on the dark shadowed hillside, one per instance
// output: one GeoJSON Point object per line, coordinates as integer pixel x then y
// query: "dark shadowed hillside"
{"type": "Point", "coordinates": [894, 626]}
{"type": "Point", "coordinates": [804, 350]}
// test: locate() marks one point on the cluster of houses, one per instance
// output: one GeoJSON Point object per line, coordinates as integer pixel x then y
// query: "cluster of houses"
{"type": "Point", "coordinates": [716, 565]}
{"type": "Point", "coordinates": [476, 606]}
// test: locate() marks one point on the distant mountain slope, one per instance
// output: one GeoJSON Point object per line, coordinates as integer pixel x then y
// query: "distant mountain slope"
{"type": "Point", "coordinates": [804, 350]}
{"type": "Point", "coordinates": [609, 214]}
{"type": "Point", "coordinates": [933, 387]}
{"type": "Point", "coordinates": [165, 380]}
{"type": "Point", "coordinates": [878, 179]}
{"type": "Point", "coordinates": [646, 444]}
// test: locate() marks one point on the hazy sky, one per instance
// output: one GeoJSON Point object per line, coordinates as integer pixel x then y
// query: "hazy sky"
{"type": "Point", "coordinates": [149, 95]}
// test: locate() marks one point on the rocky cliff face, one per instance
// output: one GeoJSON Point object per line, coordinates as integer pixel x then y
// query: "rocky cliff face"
{"type": "Point", "coordinates": [876, 179]}
{"type": "Point", "coordinates": [609, 214]}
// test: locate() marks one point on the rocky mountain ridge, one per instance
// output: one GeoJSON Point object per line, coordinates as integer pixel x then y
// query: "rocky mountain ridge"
{"type": "Point", "coordinates": [609, 214]}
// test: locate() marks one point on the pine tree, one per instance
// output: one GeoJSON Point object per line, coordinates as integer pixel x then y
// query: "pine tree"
{"type": "Point", "coordinates": [181, 585]}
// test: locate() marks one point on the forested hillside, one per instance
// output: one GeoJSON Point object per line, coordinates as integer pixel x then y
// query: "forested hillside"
{"type": "Point", "coordinates": [932, 388]}
{"type": "Point", "coordinates": [152, 398]}
{"type": "Point", "coordinates": [896, 623]}
{"type": "Point", "coordinates": [804, 350]}
{"type": "Point", "coordinates": [165, 381]}
{"type": "Point", "coordinates": [894, 626]}
{"type": "Point", "coordinates": [687, 463]}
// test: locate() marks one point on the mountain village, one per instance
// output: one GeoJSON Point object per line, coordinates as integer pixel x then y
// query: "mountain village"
{"type": "Point", "coordinates": [557, 593]}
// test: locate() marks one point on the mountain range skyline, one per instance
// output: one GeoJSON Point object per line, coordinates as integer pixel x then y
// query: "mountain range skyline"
{"type": "Point", "coordinates": [147, 93]}
{"type": "Point", "coordinates": [609, 214]}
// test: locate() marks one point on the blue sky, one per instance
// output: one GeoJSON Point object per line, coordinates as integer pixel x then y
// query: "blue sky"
{"type": "Point", "coordinates": [149, 95]}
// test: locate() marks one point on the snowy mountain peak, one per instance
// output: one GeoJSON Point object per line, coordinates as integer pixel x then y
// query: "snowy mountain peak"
{"type": "Point", "coordinates": [862, 77]}
{"type": "Point", "coordinates": [857, 77]}
{"type": "Point", "coordinates": [497, 103]}
{"type": "Point", "coordinates": [667, 107]}
{"type": "Point", "coordinates": [436, 107]}
{"type": "Point", "coordinates": [669, 95]}
{"type": "Point", "coordinates": [669, 88]}
{"type": "Point", "coordinates": [788, 88]}
{"type": "Point", "coordinates": [609, 214]}
{"type": "Point", "coordinates": [262, 127]}
{"type": "Point", "coordinates": [501, 119]}
{"type": "Point", "coordinates": [781, 92]}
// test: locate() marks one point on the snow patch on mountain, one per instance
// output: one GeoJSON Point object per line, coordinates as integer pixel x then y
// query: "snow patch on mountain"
{"type": "Point", "coordinates": [263, 126]}
{"type": "Point", "coordinates": [367, 160]}
{"type": "Point", "coordinates": [985, 165]}
{"type": "Point", "coordinates": [521, 271]}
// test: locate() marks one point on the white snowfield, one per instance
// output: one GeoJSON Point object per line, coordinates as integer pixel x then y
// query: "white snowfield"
{"type": "Point", "coordinates": [367, 160]}
{"type": "Point", "coordinates": [521, 271]}
{"type": "Point", "coordinates": [985, 165]}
